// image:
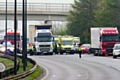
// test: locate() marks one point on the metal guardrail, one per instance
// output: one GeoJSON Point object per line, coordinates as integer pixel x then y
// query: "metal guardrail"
{"type": "Point", "coordinates": [25, 73]}
{"type": "Point", "coordinates": [9, 71]}
{"type": "Point", "coordinates": [58, 7]}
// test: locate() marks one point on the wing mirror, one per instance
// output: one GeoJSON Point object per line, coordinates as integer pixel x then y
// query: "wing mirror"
{"type": "Point", "coordinates": [100, 38]}
{"type": "Point", "coordinates": [35, 38]}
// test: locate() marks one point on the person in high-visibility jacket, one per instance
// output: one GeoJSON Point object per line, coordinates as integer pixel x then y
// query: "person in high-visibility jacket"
{"type": "Point", "coordinates": [80, 50]}
{"type": "Point", "coordinates": [55, 48]}
{"type": "Point", "coordinates": [31, 49]}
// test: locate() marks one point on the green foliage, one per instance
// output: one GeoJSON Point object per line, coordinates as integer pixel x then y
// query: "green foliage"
{"type": "Point", "coordinates": [107, 15]}
{"type": "Point", "coordinates": [88, 13]}
{"type": "Point", "coordinates": [80, 19]}
{"type": "Point", "coordinates": [62, 31]}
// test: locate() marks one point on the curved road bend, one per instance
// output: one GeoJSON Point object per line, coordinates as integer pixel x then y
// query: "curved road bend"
{"type": "Point", "coordinates": [70, 67]}
{"type": "Point", "coordinates": [2, 67]}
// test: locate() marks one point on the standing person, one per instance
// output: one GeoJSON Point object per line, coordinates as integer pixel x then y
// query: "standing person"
{"type": "Point", "coordinates": [55, 48]}
{"type": "Point", "coordinates": [80, 50]}
{"type": "Point", "coordinates": [31, 49]}
{"type": "Point", "coordinates": [34, 48]}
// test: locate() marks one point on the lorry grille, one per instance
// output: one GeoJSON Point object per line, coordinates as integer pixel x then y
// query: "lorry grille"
{"type": "Point", "coordinates": [67, 48]}
{"type": "Point", "coordinates": [44, 49]}
{"type": "Point", "coordinates": [109, 46]}
{"type": "Point", "coordinates": [44, 45]}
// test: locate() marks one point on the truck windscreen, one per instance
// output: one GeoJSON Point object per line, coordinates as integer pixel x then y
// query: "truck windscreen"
{"type": "Point", "coordinates": [110, 38]}
{"type": "Point", "coordinates": [44, 39]}
{"type": "Point", "coordinates": [11, 37]}
{"type": "Point", "coordinates": [66, 42]}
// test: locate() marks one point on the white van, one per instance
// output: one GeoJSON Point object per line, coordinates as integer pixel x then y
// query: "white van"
{"type": "Point", "coordinates": [116, 50]}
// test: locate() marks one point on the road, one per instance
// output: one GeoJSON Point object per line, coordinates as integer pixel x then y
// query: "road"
{"type": "Point", "coordinates": [70, 67]}
{"type": "Point", "coordinates": [2, 67]}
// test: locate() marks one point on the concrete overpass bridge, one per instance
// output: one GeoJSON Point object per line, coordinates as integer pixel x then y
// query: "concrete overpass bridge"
{"type": "Point", "coordinates": [37, 11]}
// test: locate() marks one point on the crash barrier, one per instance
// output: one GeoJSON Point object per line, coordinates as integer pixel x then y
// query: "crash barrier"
{"type": "Point", "coordinates": [25, 73]}
{"type": "Point", "coordinates": [9, 71]}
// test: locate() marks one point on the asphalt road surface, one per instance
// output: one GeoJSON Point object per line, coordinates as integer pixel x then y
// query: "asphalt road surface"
{"type": "Point", "coordinates": [71, 67]}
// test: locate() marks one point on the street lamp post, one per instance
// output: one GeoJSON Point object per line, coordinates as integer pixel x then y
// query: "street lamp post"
{"type": "Point", "coordinates": [24, 26]}
{"type": "Point", "coordinates": [26, 30]}
{"type": "Point", "coordinates": [6, 27]}
{"type": "Point", "coordinates": [15, 29]}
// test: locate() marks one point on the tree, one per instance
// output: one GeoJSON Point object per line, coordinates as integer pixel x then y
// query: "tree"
{"type": "Point", "coordinates": [62, 31]}
{"type": "Point", "coordinates": [107, 13]}
{"type": "Point", "coordinates": [80, 19]}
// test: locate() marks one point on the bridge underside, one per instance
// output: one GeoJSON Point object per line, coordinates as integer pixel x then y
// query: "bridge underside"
{"type": "Point", "coordinates": [38, 17]}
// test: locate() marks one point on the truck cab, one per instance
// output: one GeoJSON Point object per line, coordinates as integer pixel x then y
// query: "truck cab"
{"type": "Point", "coordinates": [42, 37]}
{"type": "Point", "coordinates": [103, 39]}
{"type": "Point", "coordinates": [44, 42]}
{"type": "Point", "coordinates": [108, 38]}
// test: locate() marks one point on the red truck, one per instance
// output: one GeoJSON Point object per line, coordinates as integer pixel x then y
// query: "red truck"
{"type": "Point", "coordinates": [103, 39]}
{"type": "Point", "coordinates": [10, 36]}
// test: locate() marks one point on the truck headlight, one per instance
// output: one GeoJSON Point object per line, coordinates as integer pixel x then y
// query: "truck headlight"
{"type": "Point", "coordinates": [12, 49]}
{"type": "Point", "coordinates": [3, 49]}
{"type": "Point", "coordinates": [115, 51]}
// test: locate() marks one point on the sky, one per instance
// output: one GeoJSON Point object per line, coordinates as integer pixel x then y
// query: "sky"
{"type": "Point", "coordinates": [43, 1]}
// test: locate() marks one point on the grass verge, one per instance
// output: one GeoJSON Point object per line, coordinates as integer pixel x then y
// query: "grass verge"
{"type": "Point", "coordinates": [7, 62]}
{"type": "Point", "coordinates": [29, 66]}
{"type": "Point", "coordinates": [32, 76]}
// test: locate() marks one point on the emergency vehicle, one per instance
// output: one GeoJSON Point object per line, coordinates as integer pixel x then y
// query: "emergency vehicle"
{"type": "Point", "coordinates": [66, 44]}
{"type": "Point", "coordinates": [10, 36]}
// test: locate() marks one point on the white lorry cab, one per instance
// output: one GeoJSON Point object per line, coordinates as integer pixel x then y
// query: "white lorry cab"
{"type": "Point", "coordinates": [41, 36]}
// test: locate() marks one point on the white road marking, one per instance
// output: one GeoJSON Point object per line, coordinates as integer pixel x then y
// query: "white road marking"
{"type": "Point", "coordinates": [47, 72]}
{"type": "Point", "coordinates": [3, 67]}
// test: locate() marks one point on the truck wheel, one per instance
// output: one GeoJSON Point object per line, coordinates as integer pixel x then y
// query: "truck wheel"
{"type": "Point", "coordinates": [88, 52]}
{"type": "Point", "coordinates": [95, 54]}
{"type": "Point", "coordinates": [114, 56]}
{"type": "Point", "coordinates": [56, 52]}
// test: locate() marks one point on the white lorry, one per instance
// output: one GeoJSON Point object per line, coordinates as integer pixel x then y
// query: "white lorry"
{"type": "Point", "coordinates": [41, 36]}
